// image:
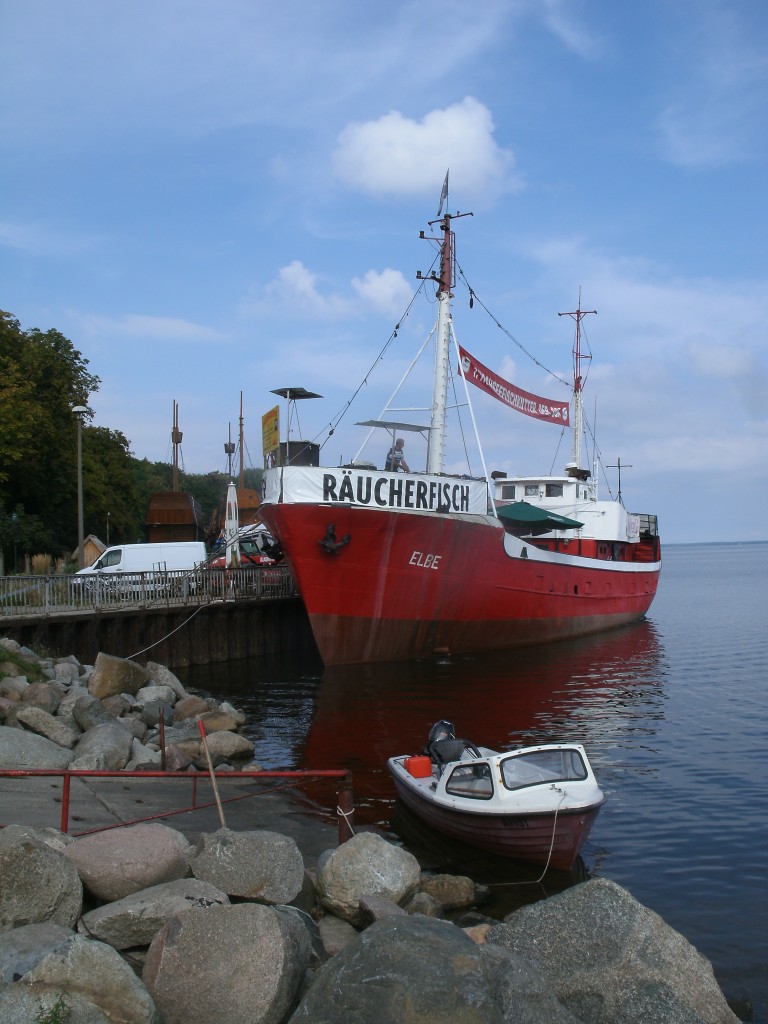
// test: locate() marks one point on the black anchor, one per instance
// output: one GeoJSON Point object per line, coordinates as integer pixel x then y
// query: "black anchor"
{"type": "Point", "coordinates": [329, 542]}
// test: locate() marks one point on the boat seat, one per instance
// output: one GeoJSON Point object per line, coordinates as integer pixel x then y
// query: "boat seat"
{"type": "Point", "coordinates": [443, 751]}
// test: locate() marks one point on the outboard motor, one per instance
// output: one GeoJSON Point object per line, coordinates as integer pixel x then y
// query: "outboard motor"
{"type": "Point", "coordinates": [442, 745]}
{"type": "Point", "coordinates": [441, 730]}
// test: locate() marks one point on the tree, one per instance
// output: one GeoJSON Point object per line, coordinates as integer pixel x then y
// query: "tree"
{"type": "Point", "coordinates": [110, 495]}
{"type": "Point", "coordinates": [42, 378]}
{"type": "Point", "coordinates": [20, 534]}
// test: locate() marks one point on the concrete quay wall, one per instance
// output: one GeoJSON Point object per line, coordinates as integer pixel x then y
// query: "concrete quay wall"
{"type": "Point", "coordinates": [176, 637]}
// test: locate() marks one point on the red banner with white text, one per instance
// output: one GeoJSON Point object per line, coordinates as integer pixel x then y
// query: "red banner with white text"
{"type": "Point", "coordinates": [522, 401]}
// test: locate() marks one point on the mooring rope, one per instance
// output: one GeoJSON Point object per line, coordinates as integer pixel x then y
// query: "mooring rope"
{"type": "Point", "coordinates": [346, 816]}
{"type": "Point", "coordinates": [164, 638]}
{"type": "Point", "coordinates": [537, 881]}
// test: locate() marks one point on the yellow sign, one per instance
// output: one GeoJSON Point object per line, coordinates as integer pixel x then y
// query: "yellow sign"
{"type": "Point", "coordinates": [270, 430]}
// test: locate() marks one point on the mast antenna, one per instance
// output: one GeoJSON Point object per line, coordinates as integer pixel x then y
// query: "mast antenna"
{"type": "Point", "coordinates": [618, 466]}
{"type": "Point", "coordinates": [578, 420]}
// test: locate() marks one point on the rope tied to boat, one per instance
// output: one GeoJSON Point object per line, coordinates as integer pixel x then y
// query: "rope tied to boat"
{"type": "Point", "coordinates": [537, 881]}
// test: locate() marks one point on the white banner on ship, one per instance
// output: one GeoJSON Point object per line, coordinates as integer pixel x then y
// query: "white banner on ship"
{"type": "Point", "coordinates": [310, 485]}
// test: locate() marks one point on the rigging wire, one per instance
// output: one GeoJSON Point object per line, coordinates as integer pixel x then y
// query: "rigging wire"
{"type": "Point", "coordinates": [475, 297]}
{"type": "Point", "coordinates": [333, 423]}
{"type": "Point", "coordinates": [597, 453]}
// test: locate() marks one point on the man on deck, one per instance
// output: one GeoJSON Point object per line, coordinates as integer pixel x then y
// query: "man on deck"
{"type": "Point", "coordinates": [395, 461]}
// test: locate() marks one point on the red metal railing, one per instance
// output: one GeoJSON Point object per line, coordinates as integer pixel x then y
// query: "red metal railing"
{"type": "Point", "coordinates": [344, 794]}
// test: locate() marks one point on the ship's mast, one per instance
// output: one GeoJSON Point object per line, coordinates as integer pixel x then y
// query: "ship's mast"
{"type": "Point", "coordinates": [176, 437]}
{"type": "Point", "coordinates": [578, 416]}
{"type": "Point", "coordinates": [436, 452]}
{"type": "Point", "coordinates": [241, 478]}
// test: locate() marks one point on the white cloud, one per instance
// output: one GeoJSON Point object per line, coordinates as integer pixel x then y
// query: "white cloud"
{"type": "Point", "coordinates": [296, 288]}
{"type": "Point", "coordinates": [386, 291]}
{"type": "Point", "coordinates": [559, 18]}
{"type": "Point", "coordinates": [398, 156]}
{"type": "Point", "coordinates": [142, 327]}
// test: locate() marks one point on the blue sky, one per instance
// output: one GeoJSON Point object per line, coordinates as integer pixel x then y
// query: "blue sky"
{"type": "Point", "coordinates": [215, 198]}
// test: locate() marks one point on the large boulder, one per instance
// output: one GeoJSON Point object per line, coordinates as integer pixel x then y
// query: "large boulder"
{"type": "Point", "coordinates": [162, 676]}
{"type": "Point", "coordinates": [122, 861]}
{"type": "Point", "coordinates": [189, 707]}
{"type": "Point", "coordinates": [262, 866]}
{"type": "Point", "coordinates": [523, 991]}
{"type": "Point", "coordinates": [111, 676]}
{"type": "Point", "coordinates": [98, 974]}
{"type": "Point", "coordinates": [12, 686]}
{"type": "Point", "coordinates": [87, 711]}
{"type": "Point", "coordinates": [452, 891]}
{"type": "Point", "coordinates": [109, 743]}
{"type": "Point", "coordinates": [23, 947]}
{"type": "Point", "coordinates": [37, 883]}
{"type": "Point", "coordinates": [217, 721]}
{"type": "Point", "coordinates": [136, 919]}
{"type": "Point", "coordinates": [24, 1003]}
{"type": "Point", "coordinates": [611, 959]}
{"type": "Point", "coordinates": [61, 731]}
{"type": "Point", "coordinates": [226, 746]}
{"type": "Point", "coordinates": [403, 970]}
{"type": "Point", "coordinates": [241, 964]}
{"type": "Point", "coordinates": [44, 695]}
{"type": "Point", "coordinates": [42, 834]}
{"type": "Point", "coordinates": [365, 865]}
{"type": "Point", "coordinates": [22, 749]}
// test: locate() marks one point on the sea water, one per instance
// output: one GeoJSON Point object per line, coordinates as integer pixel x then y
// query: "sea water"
{"type": "Point", "coordinates": [672, 712]}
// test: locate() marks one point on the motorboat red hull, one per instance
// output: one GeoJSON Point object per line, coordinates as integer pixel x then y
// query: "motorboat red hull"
{"type": "Point", "coordinates": [546, 838]}
{"type": "Point", "coordinates": [407, 585]}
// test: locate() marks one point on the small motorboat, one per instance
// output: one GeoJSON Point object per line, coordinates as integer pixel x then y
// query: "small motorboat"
{"type": "Point", "coordinates": [534, 803]}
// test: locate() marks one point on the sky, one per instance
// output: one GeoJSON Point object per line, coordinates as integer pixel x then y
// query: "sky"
{"type": "Point", "coordinates": [211, 199]}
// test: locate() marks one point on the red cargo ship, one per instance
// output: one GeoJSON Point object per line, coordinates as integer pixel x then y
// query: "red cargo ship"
{"type": "Point", "coordinates": [395, 566]}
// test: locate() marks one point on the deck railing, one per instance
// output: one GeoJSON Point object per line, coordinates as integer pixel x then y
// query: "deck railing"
{"type": "Point", "coordinates": [56, 595]}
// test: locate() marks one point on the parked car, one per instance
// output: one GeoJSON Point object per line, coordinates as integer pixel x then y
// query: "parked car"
{"type": "Point", "coordinates": [257, 547]}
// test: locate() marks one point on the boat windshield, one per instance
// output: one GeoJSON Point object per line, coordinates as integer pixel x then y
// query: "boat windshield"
{"type": "Point", "coordinates": [537, 766]}
{"type": "Point", "coordinates": [472, 780]}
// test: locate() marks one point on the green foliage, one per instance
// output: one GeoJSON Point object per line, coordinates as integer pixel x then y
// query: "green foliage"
{"type": "Point", "coordinates": [42, 378]}
{"type": "Point", "coordinates": [29, 668]}
{"type": "Point", "coordinates": [59, 1013]}
{"type": "Point", "coordinates": [110, 495]}
{"type": "Point", "coordinates": [20, 533]}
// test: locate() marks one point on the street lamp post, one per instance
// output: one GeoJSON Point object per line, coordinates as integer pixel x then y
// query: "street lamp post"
{"type": "Point", "coordinates": [79, 411]}
{"type": "Point", "coordinates": [14, 517]}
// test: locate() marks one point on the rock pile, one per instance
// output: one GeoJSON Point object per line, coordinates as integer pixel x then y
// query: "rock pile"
{"type": "Point", "coordinates": [135, 925]}
{"type": "Point", "coordinates": [57, 713]}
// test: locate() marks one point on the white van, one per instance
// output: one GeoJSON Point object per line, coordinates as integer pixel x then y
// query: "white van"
{"type": "Point", "coordinates": [143, 570]}
{"type": "Point", "coordinates": [171, 556]}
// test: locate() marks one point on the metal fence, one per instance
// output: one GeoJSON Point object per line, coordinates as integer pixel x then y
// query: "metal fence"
{"type": "Point", "coordinates": [55, 595]}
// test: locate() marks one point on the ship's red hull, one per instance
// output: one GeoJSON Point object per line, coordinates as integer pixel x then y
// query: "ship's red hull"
{"type": "Point", "coordinates": [409, 585]}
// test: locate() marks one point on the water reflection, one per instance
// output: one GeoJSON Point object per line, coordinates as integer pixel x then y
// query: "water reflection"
{"type": "Point", "coordinates": [605, 692]}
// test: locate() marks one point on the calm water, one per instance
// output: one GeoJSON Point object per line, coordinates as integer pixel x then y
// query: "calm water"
{"type": "Point", "coordinates": [672, 712]}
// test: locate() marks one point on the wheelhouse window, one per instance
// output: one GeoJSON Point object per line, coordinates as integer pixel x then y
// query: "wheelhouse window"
{"type": "Point", "coordinates": [472, 780]}
{"type": "Point", "coordinates": [508, 491]}
{"type": "Point", "coordinates": [531, 490]}
{"type": "Point", "coordinates": [554, 490]}
{"type": "Point", "coordinates": [520, 770]}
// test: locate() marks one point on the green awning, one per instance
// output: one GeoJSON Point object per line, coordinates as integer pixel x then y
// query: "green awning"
{"type": "Point", "coordinates": [528, 519]}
